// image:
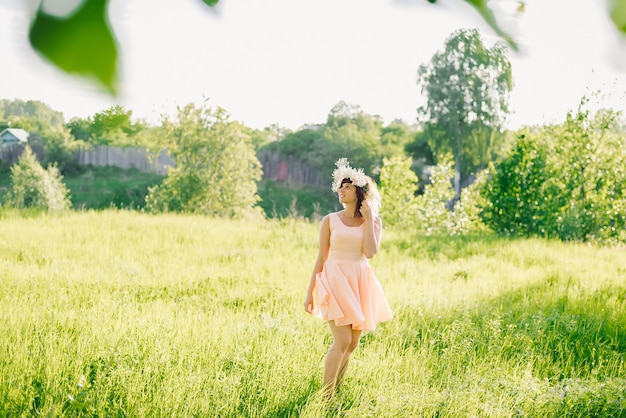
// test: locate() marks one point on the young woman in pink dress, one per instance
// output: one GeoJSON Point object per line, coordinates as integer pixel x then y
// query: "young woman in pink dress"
{"type": "Point", "coordinates": [343, 289]}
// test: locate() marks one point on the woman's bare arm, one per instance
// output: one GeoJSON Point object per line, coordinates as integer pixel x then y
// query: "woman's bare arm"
{"type": "Point", "coordinates": [322, 256]}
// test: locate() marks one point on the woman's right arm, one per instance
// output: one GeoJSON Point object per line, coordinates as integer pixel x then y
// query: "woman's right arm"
{"type": "Point", "coordinates": [322, 256]}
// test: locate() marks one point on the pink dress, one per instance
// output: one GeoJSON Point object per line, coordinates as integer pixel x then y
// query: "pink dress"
{"type": "Point", "coordinates": [346, 290]}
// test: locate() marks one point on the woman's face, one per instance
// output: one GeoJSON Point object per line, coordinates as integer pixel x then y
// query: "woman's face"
{"type": "Point", "coordinates": [347, 193]}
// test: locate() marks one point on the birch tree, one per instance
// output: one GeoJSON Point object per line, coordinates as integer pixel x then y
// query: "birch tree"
{"type": "Point", "coordinates": [466, 86]}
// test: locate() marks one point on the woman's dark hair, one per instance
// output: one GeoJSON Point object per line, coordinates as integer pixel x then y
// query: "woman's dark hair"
{"type": "Point", "coordinates": [360, 197]}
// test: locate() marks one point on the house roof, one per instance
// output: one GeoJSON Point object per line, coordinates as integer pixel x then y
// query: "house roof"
{"type": "Point", "coordinates": [20, 134]}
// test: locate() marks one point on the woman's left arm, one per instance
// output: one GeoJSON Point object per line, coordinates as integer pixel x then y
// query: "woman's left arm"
{"type": "Point", "coordinates": [373, 231]}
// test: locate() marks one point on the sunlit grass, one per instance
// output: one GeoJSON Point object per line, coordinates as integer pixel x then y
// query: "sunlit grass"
{"type": "Point", "coordinates": [119, 313]}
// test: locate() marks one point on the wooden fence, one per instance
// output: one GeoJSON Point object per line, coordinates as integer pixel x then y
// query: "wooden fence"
{"type": "Point", "coordinates": [290, 170]}
{"type": "Point", "coordinates": [277, 167]}
{"type": "Point", "coordinates": [132, 157]}
{"type": "Point", "coordinates": [9, 154]}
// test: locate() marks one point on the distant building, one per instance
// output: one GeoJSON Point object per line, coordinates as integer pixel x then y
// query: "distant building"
{"type": "Point", "coordinates": [311, 126]}
{"type": "Point", "coordinates": [12, 136]}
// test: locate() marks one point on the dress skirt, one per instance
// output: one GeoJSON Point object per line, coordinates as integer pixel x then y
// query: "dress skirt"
{"type": "Point", "coordinates": [347, 292]}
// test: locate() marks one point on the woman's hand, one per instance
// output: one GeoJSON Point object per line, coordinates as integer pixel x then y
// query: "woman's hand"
{"type": "Point", "coordinates": [308, 303]}
{"type": "Point", "coordinates": [366, 210]}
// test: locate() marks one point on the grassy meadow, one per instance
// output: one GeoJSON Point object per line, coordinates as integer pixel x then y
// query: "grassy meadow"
{"type": "Point", "coordinates": [123, 314]}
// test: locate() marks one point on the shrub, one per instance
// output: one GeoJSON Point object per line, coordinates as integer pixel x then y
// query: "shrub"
{"type": "Point", "coordinates": [398, 185]}
{"type": "Point", "coordinates": [216, 166]}
{"type": "Point", "coordinates": [60, 150]}
{"type": "Point", "coordinates": [466, 217]}
{"type": "Point", "coordinates": [566, 181]}
{"type": "Point", "coordinates": [433, 216]}
{"type": "Point", "coordinates": [519, 188]}
{"type": "Point", "coordinates": [436, 211]}
{"type": "Point", "coordinates": [32, 186]}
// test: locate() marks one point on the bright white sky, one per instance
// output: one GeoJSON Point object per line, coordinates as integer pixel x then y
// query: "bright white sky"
{"type": "Point", "coordinates": [290, 61]}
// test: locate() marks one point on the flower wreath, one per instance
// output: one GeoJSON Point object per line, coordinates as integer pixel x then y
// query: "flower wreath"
{"type": "Point", "coordinates": [358, 178]}
{"type": "Point", "coordinates": [344, 171]}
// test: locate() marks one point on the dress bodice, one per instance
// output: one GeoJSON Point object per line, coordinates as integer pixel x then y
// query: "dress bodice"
{"type": "Point", "coordinates": [346, 242]}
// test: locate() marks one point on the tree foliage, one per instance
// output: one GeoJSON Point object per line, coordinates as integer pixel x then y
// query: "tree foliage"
{"type": "Point", "coordinates": [216, 166]}
{"type": "Point", "coordinates": [395, 137]}
{"type": "Point", "coordinates": [30, 115]}
{"type": "Point", "coordinates": [60, 149]}
{"type": "Point", "coordinates": [32, 186]}
{"type": "Point", "coordinates": [113, 126]}
{"type": "Point", "coordinates": [434, 212]}
{"type": "Point", "coordinates": [566, 181]}
{"type": "Point", "coordinates": [348, 131]}
{"type": "Point", "coordinates": [467, 88]}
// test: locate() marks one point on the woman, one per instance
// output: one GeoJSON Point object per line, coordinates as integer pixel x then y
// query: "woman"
{"type": "Point", "coordinates": [343, 289]}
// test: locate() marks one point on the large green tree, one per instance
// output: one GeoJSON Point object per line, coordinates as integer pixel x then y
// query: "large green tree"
{"type": "Point", "coordinates": [216, 166]}
{"type": "Point", "coordinates": [354, 134]}
{"type": "Point", "coordinates": [466, 86]}
{"type": "Point", "coordinates": [114, 126]}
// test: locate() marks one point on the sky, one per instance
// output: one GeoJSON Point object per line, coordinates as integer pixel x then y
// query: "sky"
{"type": "Point", "coordinates": [289, 62]}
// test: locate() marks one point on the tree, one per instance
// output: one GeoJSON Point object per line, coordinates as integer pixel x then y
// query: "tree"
{"type": "Point", "coordinates": [114, 126]}
{"type": "Point", "coordinates": [395, 137]}
{"type": "Point", "coordinates": [348, 132]}
{"type": "Point", "coordinates": [566, 181]}
{"type": "Point", "coordinates": [467, 87]}
{"type": "Point", "coordinates": [60, 149]}
{"type": "Point", "coordinates": [216, 166]}
{"type": "Point", "coordinates": [30, 115]}
{"type": "Point", "coordinates": [80, 128]}
{"type": "Point", "coordinates": [301, 144]}
{"type": "Point", "coordinates": [32, 186]}
{"type": "Point", "coordinates": [354, 133]}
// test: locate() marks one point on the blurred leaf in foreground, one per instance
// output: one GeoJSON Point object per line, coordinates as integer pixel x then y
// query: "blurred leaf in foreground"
{"type": "Point", "coordinates": [81, 43]}
{"type": "Point", "coordinates": [618, 14]}
{"type": "Point", "coordinates": [489, 17]}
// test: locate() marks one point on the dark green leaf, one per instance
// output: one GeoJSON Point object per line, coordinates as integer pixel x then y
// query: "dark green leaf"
{"type": "Point", "coordinates": [210, 2]}
{"type": "Point", "coordinates": [81, 43]}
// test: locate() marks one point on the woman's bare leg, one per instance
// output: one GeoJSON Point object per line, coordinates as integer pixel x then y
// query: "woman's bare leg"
{"type": "Point", "coordinates": [342, 339]}
{"type": "Point", "coordinates": [356, 335]}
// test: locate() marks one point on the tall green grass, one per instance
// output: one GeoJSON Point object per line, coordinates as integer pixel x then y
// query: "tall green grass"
{"type": "Point", "coordinates": [106, 187]}
{"type": "Point", "coordinates": [123, 314]}
{"type": "Point", "coordinates": [99, 187]}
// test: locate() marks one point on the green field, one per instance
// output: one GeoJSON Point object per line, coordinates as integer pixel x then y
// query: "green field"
{"type": "Point", "coordinates": [124, 314]}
